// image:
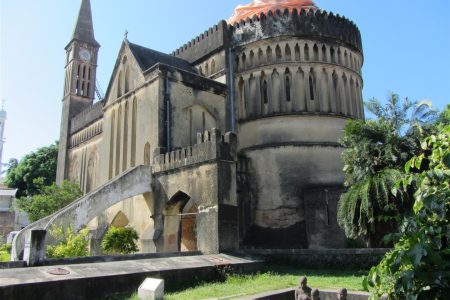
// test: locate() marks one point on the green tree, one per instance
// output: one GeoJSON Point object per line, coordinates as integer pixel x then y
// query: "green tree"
{"type": "Point", "coordinates": [70, 244]}
{"type": "Point", "coordinates": [39, 164]}
{"type": "Point", "coordinates": [120, 240]}
{"type": "Point", "coordinates": [376, 150]}
{"type": "Point", "coordinates": [51, 199]}
{"type": "Point", "coordinates": [419, 265]}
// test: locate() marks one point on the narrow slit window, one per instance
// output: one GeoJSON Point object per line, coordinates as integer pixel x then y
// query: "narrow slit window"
{"type": "Point", "coordinates": [311, 87]}
{"type": "Point", "coordinates": [264, 92]}
{"type": "Point", "coordinates": [288, 89]}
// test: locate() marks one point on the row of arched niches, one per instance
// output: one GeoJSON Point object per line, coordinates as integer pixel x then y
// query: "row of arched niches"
{"type": "Point", "coordinates": [298, 76]}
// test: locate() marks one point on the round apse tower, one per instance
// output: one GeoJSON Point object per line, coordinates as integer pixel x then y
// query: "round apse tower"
{"type": "Point", "coordinates": [297, 77]}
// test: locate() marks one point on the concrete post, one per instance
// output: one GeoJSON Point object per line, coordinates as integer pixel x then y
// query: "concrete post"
{"type": "Point", "coordinates": [34, 253]}
{"type": "Point", "coordinates": [151, 289]}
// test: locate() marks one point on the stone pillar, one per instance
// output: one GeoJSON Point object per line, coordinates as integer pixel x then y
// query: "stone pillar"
{"type": "Point", "coordinates": [34, 253]}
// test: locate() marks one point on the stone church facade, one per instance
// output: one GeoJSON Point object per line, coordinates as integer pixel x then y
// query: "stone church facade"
{"type": "Point", "coordinates": [240, 127]}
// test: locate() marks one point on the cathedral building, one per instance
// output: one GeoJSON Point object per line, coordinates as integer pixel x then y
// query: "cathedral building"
{"type": "Point", "coordinates": [239, 129]}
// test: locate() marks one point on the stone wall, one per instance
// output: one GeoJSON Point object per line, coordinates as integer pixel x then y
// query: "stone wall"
{"type": "Point", "coordinates": [359, 259]}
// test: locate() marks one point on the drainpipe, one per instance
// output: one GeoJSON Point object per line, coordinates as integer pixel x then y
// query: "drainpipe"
{"type": "Point", "coordinates": [231, 92]}
{"type": "Point", "coordinates": [167, 109]}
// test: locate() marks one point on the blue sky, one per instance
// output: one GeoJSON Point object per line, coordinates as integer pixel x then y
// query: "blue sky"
{"type": "Point", "coordinates": [406, 47]}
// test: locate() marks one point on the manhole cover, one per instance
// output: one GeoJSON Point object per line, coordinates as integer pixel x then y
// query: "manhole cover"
{"type": "Point", "coordinates": [218, 260]}
{"type": "Point", "coordinates": [58, 271]}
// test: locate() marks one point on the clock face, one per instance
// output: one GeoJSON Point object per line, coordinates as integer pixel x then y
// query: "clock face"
{"type": "Point", "coordinates": [85, 55]}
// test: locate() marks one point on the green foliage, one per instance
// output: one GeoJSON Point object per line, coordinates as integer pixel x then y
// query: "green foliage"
{"type": "Point", "coordinates": [5, 251]}
{"type": "Point", "coordinates": [70, 244]}
{"type": "Point", "coordinates": [120, 240]}
{"type": "Point", "coordinates": [374, 156]}
{"type": "Point", "coordinates": [369, 204]}
{"type": "Point", "coordinates": [419, 265]}
{"type": "Point", "coordinates": [39, 165]}
{"type": "Point", "coordinates": [52, 199]}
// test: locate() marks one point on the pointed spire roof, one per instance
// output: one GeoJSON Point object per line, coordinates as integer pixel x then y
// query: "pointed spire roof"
{"type": "Point", "coordinates": [84, 29]}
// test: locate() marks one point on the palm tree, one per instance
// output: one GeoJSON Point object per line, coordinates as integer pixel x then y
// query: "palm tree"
{"type": "Point", "coordinates": [376, 151]}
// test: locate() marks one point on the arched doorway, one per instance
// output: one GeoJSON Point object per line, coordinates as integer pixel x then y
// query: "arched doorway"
{"type": "Point", "coordinates": [188, 227]}
{"type": "Point", "coordinates": [180, 223]}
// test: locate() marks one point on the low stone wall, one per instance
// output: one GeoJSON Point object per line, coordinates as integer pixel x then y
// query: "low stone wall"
{"type": "Point", "coordinates": [111, 258]}
{"type": "Point", "coordinates": [12, 264]}
{"type": "Point", "coordinates": [289, 294]}
{"type": "Point", "coordinates": [97, 259]}
{"type": "Point", "coordinates": [330, 258]}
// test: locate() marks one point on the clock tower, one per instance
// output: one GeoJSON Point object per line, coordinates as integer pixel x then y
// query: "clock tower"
{"type": "Point", "coordinates": [80, 78]}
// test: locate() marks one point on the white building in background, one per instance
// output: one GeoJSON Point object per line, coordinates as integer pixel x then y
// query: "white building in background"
{"type": "Point", "coordinates": [11, 218]}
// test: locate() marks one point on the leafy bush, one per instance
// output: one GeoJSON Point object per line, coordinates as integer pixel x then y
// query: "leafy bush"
{"type": "Point", "coordinates": [52, 199]}
{"type": "Point", "coordinates": [120, 240]}
{"type": "Point", "coordinates": [70, 244]}
{"type": "Point", "coordinates": [419, 265]}
{"type": "Point", "coordinates": [5, 251]}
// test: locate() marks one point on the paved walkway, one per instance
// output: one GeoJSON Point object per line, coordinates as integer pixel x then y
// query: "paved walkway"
{"type": "Point", "coordinates": [86, 279]}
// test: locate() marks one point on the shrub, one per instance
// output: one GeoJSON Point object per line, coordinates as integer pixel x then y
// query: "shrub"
{"type": "Point", "coordinates": [51, 199]}
{"type": "Point", "coordinates": [120, 240]}
{"type": "Point", "coordinates": [70, 244]}
{"type": "Point", "coordinates": [419, 265]}
{"type": "Point", "coordinates": [5, 251]}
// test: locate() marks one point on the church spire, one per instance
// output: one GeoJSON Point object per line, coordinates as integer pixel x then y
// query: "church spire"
{"type": "Point", "coordinates": [84, 29]}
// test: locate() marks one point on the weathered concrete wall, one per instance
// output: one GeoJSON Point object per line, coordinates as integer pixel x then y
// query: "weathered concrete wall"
{"type": "Point", "coordinates": [322, 227]}
{"type": "Point", "coordinates": [279, 176]}
{"type": "Point", "coordinates": [205, 178]}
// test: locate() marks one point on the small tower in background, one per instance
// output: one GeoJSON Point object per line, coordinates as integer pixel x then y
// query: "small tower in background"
{"type": "Point", "coordinates": [2, 129]}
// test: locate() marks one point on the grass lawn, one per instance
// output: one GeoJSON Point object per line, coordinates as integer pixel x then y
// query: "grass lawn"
{"type": "Point", "coordinates": [277, 277]}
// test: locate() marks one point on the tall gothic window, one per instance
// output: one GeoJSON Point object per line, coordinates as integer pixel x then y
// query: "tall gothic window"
{"type": "Point", "coordinates": [311, 87]}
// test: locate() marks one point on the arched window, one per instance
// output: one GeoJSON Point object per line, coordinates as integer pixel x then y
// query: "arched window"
{"type": "Point", "coordinates": [111, 144]}
{"type": "Point", "coordinates": [316, 52]}
{"type": "Point", "coordinates": [260, 57]}
{"type": "Point", "coordinates": [125, 137]}
{"type": "Point", "coordinates": [119, 86]}
{"type": "Point", "coordinates": [127, 80]}
{"type": "Point", "coordinates": [269, 54]}
{"type": "Point", "coordinates": [133, 132]}
{"type": "Point", "coordinates": [236, 63]}
{"type": "Point", "coordinates": [306, 52]}
{"type": "Point", "coordinates": [287, 53]}
{"type": "Point", "coordinates": [297, 52]}
{"type": "Point", "coordinates": [287, 84]}
{"type": "Point", "coordinates": [264, 93]}
{"type": "Point", "coordinates": [118, 139]}
{"type": "Point", "coordinates": [278, 53]}
{"type": "Point", "coordinates": [324, 53]}
{"type": "Point", "coordinates": [244, 61]}
{"type": "Point", "coordinates": [252, 59]}
{"type": "Point", "coordinates": [339, 53]}
{"type": "Point", "coordinates": [200, 70]}
{"type": "Point", "coordinates": [332, 58]}
{"type": "Point", "coordinates": [207, 69]}
{"type": "Point", "coordinates": [241, 87]}
{"type": "Point", "coordinates": [312, 88]}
